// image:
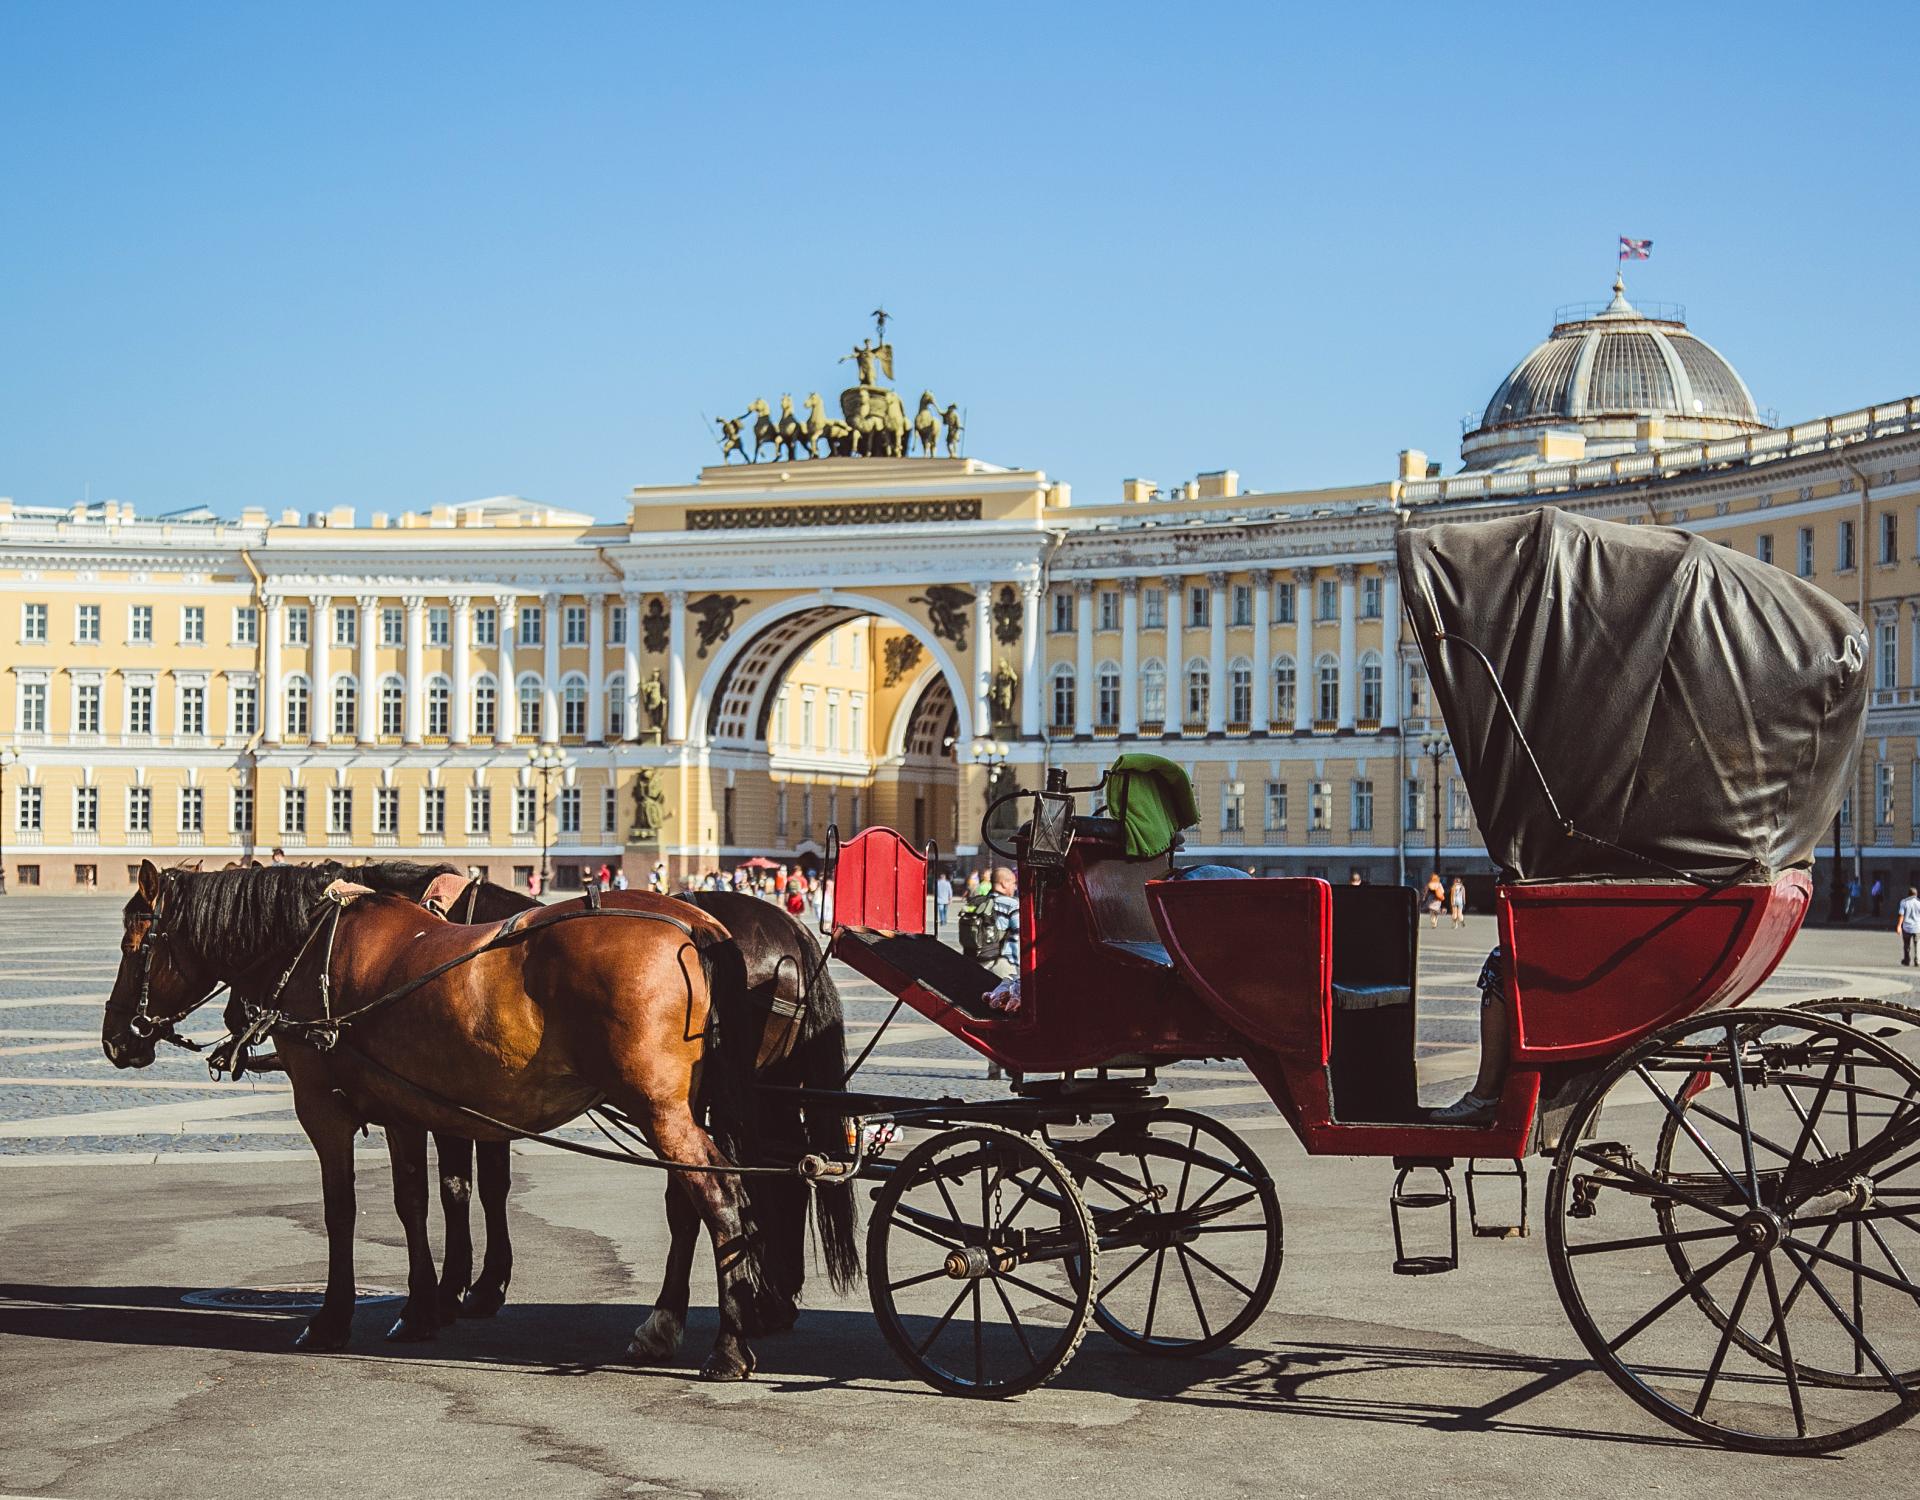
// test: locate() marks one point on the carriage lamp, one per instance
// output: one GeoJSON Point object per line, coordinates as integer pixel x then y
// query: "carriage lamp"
{"type": "Point", "coordinates": [9, 756]}
{"type": "Point", "coordinates": [546, 759]}
{"type": "Point", "coordinates": [1436, 749]}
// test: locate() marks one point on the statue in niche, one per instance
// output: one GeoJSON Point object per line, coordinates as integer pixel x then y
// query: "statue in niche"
{"type": "Point", "coordinates": [946, 612]}
{"type": "Point", "coordinates": [716, 618]}
{"type": "Point", "coordinates": [1006, 616]}
{"type": "Point", "coordinates": [653, 699]}
{"type": "Point", "coordinates": [649, 805]}
{"type": "Point", "coordinates": [655, 626]}
{"type": "Point", "coordinates": [1004, 694]}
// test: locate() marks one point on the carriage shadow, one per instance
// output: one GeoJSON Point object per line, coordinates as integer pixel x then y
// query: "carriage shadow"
{"type": "Point", "coordinates": [841, 1348]}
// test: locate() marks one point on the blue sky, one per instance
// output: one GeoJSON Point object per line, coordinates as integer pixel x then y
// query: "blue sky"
{"type": "Point", "coordinates": [391, 256]}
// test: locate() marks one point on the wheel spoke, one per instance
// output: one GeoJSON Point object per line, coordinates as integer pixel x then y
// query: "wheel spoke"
{"type": "Point", "coordinates": [1233, 1281]}
{"type": "Point", "coordinates": [914, 1221]}
{"type": "Point", "coordinates": [1726, 1338]}
{"type": "Point", "coordinates": [1860, 1342]}
{"type": "Point", "coordinates": [945, 1318]}
{"type": "Point", "coordinates": [1206, 1328]}
{"type": "Point", "coordinates": [1746, 1123]}
{"type": "Point", "coordinates": [1799, 1284]}
{"type": "Point", "coordinates": [1659, 1188]}
{"type": "Point", "coordinates": [1114, 1285]}
{"type": "Point", "coordinates": [979, 1333]}
{"type": "Point", "coordinates": [1859, 1268]}
{"type": "Point", "coordinates": [1186, 1168]}
{"type": "Point", "coordinates": [924, 1276]}
{"type": "Point", "coordinates": [1038, 1291]}
{"type": "Point", "coordinates": [1014, 1318]}
{"type": "Point", "coordinates": [1786, 1349]}
{"type": "Point", "coordinates": [1650, 1241]}
{"type": "Point", "coordinates": [1153, 1297]}
{"type": "Point", "coordinates": [1666, 1303]}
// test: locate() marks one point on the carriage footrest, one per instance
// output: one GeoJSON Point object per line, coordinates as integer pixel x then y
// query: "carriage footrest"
{"type": "Point", "coordinates": [1407, 1200]}
{"type": "Point", "coordinates": [1480, 1170]}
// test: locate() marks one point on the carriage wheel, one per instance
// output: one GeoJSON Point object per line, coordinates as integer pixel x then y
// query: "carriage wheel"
{"type": "Point", "coordinates": [1746, 1148]}
{"type": "Point", "coordinates": [981, 1262]}
{"type": "Point", "coordinates": [1182, 1206]}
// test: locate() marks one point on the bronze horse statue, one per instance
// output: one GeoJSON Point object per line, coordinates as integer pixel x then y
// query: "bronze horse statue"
{"type": "Point", "coordinates": [388, 1014]}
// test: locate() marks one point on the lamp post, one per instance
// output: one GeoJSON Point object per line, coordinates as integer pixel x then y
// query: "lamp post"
{"type": "Point", "coordinates": [546, 759]}
{"type": "Point", "coordinates": [992, 754]}
{"type": "Point", "coordinates": [1435, 748]}
{"type": "Point", "coordinates": [9, 756]}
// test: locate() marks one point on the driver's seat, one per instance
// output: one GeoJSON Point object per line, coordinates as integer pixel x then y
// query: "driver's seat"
{"type": "Point", "coordinates": [1116, 891]}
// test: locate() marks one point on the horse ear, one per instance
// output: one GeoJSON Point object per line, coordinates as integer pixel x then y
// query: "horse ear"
{"type": "Point", "coordinates": [149, 881]}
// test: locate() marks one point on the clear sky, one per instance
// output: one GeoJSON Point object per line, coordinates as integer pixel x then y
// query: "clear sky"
{"type": "Point", "coordinates": [395, 255]}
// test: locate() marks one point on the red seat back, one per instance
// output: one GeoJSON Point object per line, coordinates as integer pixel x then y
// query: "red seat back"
{"type": "Point", "coordinates": [880, 881]}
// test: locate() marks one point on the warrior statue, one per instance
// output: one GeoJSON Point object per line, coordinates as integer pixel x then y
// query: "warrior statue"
{"type": "Point", "coordinates": [653, 698]}
{"type": "Point", "coordinates": [1003, 694]}
{"type": "Point", "coordinates": [730, 443]}
{"type": "Point", "coordinates": [951, 416]}
{"type": "Point", "coordinates": [649, 805]}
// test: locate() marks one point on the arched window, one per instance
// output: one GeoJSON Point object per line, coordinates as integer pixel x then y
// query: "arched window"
{"type": "Point", "coordinates": [1284, 687]}
{"type": "Point", "coordinates": [393, 707]}
{"type": "Point", "coordinates": [1370, 687]}
{"type": "Point", "coordinates": [1063, 697]}
{"type": "Point", "coordinates": [617, 706]}
{"type": "Point", "coordinates": [486, 706]}
{"type": "Point", "coordinates": [573, 705]}
{"type": "Point", "coordinates": [439, 706]}
{"type": "Point", "coordinates": [1198, 685]}
{"type": "Point", "coordinates": [1328, 671]}
{"type": "Point", "coordinates": [1153, 692]}
{"type": "Point", "coordinates": [529, 703]}
{"type": "Point", "coordinates": [1109, 700]}
{"type": "Point", "coordinates": [346, 698]}
{"type": "Point", "coordinates": [1240, 682]}
{"type": "Point", "coordinates": [296, 707]}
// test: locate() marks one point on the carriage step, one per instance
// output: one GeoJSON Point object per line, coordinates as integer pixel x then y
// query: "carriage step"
{"type": "Point", "coordinates": [1406, 1200]}
{"type": "Point", "coordinates": [1499, 1169]}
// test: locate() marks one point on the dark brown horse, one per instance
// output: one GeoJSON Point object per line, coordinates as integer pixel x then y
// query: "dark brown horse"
{"type": "Point", "coordinates": [530, 1028]}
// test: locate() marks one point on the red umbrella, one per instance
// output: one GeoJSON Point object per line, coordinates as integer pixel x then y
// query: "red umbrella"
{"type": "Point", "coordinates": [759, 862]}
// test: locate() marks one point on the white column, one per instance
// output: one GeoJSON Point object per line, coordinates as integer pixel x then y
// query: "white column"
{"type": "Point", "coordinates": [1348, 653]}
{"type": "Point", "coordinates": [550, 669]}
{"type": "Point", "coordinates": [982, 657]}
{"type": "Point", "coordinates": [1176, 588]}
{"type": "Point", "coordinates": [1083, 688]}
{"type": "Point", "coordinates": [1261, 580]}
{"type": "Point", "coordinates": [1216, 653]}
{"type": "Point", "coordinates": [1129, 657]}
{"type": "Point", "coordinates": [369, 669]}
{"type": "Point", "coordinates": [1389, 645]}
{"type": "Point", "coordinates": [273, 706]}
{"type": "Point", "coordinates": [506, 704]}
{"type": "Point", "coordinates": [461, 706]}
{"type": "Point", "coordinates": [677, 664]}
{"type": "Point", "coordinates": [630, 664]}
{"type": "Point", "coordinates": [1032, 659]}
{"type": "Point", "coordinates": [596, 668]}
{"type": "Point", "coordinates": [320, 664]}
{"type": "Point", "coordinates": [1306, 685]}
{"type": "Point", "coordinates": [416, 683]}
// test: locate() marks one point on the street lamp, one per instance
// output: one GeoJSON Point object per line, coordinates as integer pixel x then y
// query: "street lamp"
{"type": "Point", "coordinates": [1435, 748]}
{"type": "Point", "coordinates": [992, 754]}
{"type": "Point", "coordinates": [9, 756]}
{"type": "Point", "coordinates": [546, 759]}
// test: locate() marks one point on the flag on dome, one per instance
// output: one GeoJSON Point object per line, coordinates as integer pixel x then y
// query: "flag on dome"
{"type": "Point", "coordinates": [1635, 249]}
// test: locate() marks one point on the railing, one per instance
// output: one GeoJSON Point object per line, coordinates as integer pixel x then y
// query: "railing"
{"type": "Point", "coordinates": [192, 838]}
{"type": "Point", "coordinates": [139, 839]}
{"type": "Point", "coordinates": [292, 837]}
{"type": "Point", "coordinates": [386, 841]}
{"type": "Point", "coordinates": [1896, 697]}
{"type": "Point", "coordinates": [1152, 727]}
{"type": "Point", "coordinates": [337, 840]}
{"type": "Point", "coordinates": [1106, 731]}
{"type": "Point", "coordinates": [1326, 726]}
{"type": "Point", "coordinates": [1230, 837]}
{"type": "Point", "coordinates": [29, 838]}
{"type": "Point", "coordinates": [1194, 729]}
{"type": "Point", "coordinates": [1367, 726]}
{"type": "Point", "coordinates": [1653, 312]}
{"type": "Point", "coordinates": [1239, 729]}
{"type": "Point", "coordinates": [87, 838]}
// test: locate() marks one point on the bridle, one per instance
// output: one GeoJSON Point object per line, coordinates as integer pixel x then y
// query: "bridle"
{"type": "Point", "coordinates": [140, 1022]}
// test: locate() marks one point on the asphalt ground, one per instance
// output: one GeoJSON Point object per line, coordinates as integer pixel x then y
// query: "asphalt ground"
{"type": "Point", "coordinates": [122, 1196]}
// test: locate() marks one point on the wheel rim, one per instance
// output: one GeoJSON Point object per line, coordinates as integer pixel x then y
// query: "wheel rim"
{"type": "Point", "coordinates": [981, 1262]}
{"type": "Point", "coordinates": [1743, 1154]}
{"type": "Point", "coordinates": [1190, 1225]}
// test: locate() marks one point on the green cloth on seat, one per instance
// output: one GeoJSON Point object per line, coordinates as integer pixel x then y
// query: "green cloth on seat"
{"type": "Point", "coordinates": [1153, 800]}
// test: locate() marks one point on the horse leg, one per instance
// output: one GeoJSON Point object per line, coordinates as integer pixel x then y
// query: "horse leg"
{"type": "Point", "coordinates": [420, 1317]}
{"type": "Point", "coordinates": [456, 1194]}
{"type": "Point", "coordinates": [489, 1293]}
{"type": "Point", "coordinates": [330, 1125]}
{"type": "Point", "coordinates": [657, 1340]}
{"type": "Point", "coordinates": [722, 1204]}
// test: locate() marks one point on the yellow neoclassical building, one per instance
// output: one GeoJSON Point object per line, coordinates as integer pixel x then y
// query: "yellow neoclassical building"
{"type": "Point", "coordinates": [785, 645]}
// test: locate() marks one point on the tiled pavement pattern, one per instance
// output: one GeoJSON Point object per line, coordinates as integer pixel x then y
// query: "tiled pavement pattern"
{"type": "Point", "coordinates": [59, 1095]}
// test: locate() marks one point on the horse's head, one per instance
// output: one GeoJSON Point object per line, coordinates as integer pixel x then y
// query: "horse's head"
{"type": "Point", "coordinates": [161, 980]}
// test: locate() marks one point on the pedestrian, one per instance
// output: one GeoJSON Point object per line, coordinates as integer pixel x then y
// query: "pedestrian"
{"type": "Point", "coordinates": [1907, 924]}
{"type": "Point", "coordinates": [1436, 898]}
{"type": "Point", "coordinates": [942, 899]}
{"type": "Point", "coordinates": [1355, 878]}
{"type": "Point", "coordinates": [657, 878]}
{"type": "Point", "coordinates": [620, 878]}
{"type": "Point", "coordinates": [606, 875]}
{"type": "Point", "coordinates": [1457, 901]}
{"type": "Point", "coordinates": [533, 881]}
{"type": "Point", "coordinates": [1006, 914]}
{"type": "Point", "coordinates": [1879, 895]}
{"type": "Point", "coordinates": [1853, 896]}
{"type": "Point", "coordinates": [279, 855]}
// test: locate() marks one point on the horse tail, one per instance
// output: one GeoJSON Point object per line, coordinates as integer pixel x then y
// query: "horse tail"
{"type": "Point", "coordinates": [822, 1058]}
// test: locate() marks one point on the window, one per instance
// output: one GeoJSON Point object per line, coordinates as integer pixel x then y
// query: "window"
{"type": "Point", "coordinates": [1200, 607]}
{"type": "Point", "coordinates": [339, 809]}
{"type": "Point", "coordinates": [833, 649]}
{"type": "Point", "coordinates": [1329, 600]}
{"type": "Point", "coordinates": [1285, 686]}
{"type": "Point", "coordinates": [86, 708]}
{"type": "Point", "coordinates": [193, 710]}
{"type": "Point", "coordinates": [242, 805]}
{"type": "Point", "coordinates": [1153, 609]}
{"type": "Point", "coordinates": [1883, 794]}
{"type": "Point", "coordinates": [393, 707]}
{"type": "Point", "coordinates": [1370, 596]}
{"type": "Point", "coordinates": [86, 624]}
{"type": "Point", "coordinates": [296, 707]}
{"type": "Point", "coordinates": [1197, 686]}
{"type": "Point", "coordinates": [1240, 691]}
{"type": "Point", "coordinates": [1889, 538]}
{"type": "Point", "coordinates": [1843, 561]}
{"type": "Point", "coordinates": [530, 625]}
{"type": "Point", "coordinates": [346, 699]}
{"type": "Point", "coordinates": [1362, 810]}
{"type": "Point", "coordinates": [780, 716]}
{"type": "Point", "coordinates": [617, 629]}
{"type": "Point", "coordinates": [1283, 604]}
{"type": "Point", "coordinates": [246, 626]}
{"type": "Point", "coordinates": [1417, 693]}
{"type": "Point", "coordinates": [433, 810]}
{"type": "Point", "coordinates": [1459, 809]}
{"type": "Point", "coordinates": [617, 707]}
{"type": "Point", "coordinates": [140, 624]}
{"type": "Point", "coordinates": [834, 740]}
{"type": "Point", "coordinates": [1242, 604]}
{"type": "Point", "coordinates": [806, 812]}
{"type": "Point", "coordinates": [1063, 697]}
{"type": "Point", "coordinates": [86, 809]}
{"type": "Point", "coordinates": [1320, 806]}
{"type": "Point", "coordinates": [439, 626]}
{"type": "Point", "coordinates": [1233, 807]}
{"type": "Point", "coordinates": [33, 707]}
{"type": "Point", "coordinates": [1416, 806]}
{"type": "Point", "coordinates": [1328, 707]}
{"type": "Point", "coordinates": [806, 718]}
{"type": "Point", "coordinates": [529, 707]}
{"type": "Point", "coordinates": [1109, 610]}
{"type": "Point", "coordinates": [573, 706]}
{"type": "Point", "coordinates": [386, 809]}
{"type": "Point", "coordinates": [1108, 702]}
{"type": "Point", "coordinates": [575, 633]}
{"type": "Point", "coordinates": [296, 624]}
{"type": "Point", "coordinates": [609, 809]}
{"type": "Point", "coordinates": [1153, 692]}
{"type": "Point", "coordinates": [486, 626]}
{"type": "Point", "coordinates": [139, 809]}
{"type": "Point", "coordinates": [1062, 613]}
{"type": "Point", "coordinates": [780, 813]}
{"type": "Point", "coordinates": [293, 809]}
{"type": "Point", "coordinates": [346, 625]}
{"type": "Point", "coordinates": [1370, 695]}
{"type": "Point", "coordinates": [1763, 546]}
{"type": "Point", "coordinates": [479, 810]}
{"type": "Point", "coordinates": [33, 623]}
{"type": "Point", "coordinates": [856, 718]}
{"type": "Point", "coordinates": [1276, 807]}
{"type": "Point", "coordinates": [243, 698]}
{"type": "Point", "coordinates": [393, 625]}
{"type": "Point", "coordinates": [526, 809]}
{"type": "Point", "coordinates": [29, 815]}
{"type": "Point", "coordinates": [1805, 565]}
{"type": "Point", "coordinates": [439, 706]}
{"type": "Point", "coordinates": [1886, 654]}
{"type": "Point", "coordinates": [569, 809]}
{"type": "Point", "coordinates": [140, 708]}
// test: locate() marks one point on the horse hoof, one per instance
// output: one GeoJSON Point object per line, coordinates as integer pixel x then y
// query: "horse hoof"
{"type": "Point", "coordinates": [775, 1317]}
{"type": "Point", "coordinates": [657, 1340]}
{"type": "Point", "coordinates": [726, 1367]}
{"type": "Point", "coordinates": [412, 1331]}
{"type": "Point", "coordinates": [321, 1338]}
{"type": "Point", "coordinates": [483, 1302]}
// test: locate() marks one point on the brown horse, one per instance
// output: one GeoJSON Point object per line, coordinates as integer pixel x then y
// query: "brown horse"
{"type": "Point", "coordinates": [530, 1027]}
